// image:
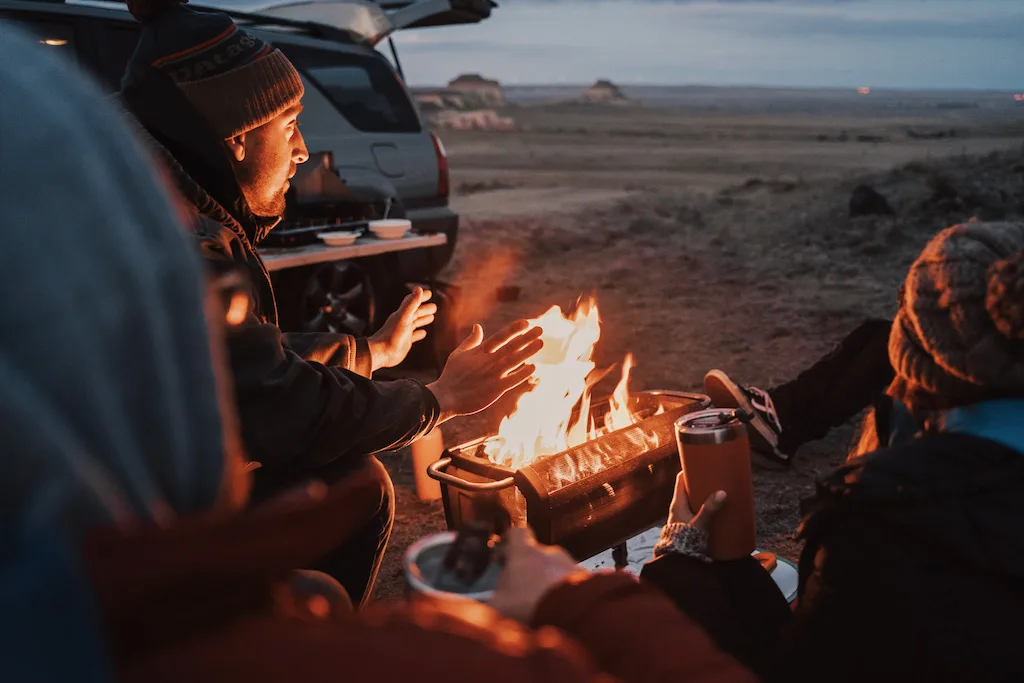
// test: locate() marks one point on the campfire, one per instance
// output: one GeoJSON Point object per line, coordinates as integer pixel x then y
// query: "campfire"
{"type": "Point", "coordinates": [554, 415]}
{"type": "Point", "coordinates": [585, 473]}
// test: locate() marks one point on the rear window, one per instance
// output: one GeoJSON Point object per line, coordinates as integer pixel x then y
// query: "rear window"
{"type": "Point", "coordinates": [55, 33]}
{"type": "Point", "coordinates": [363, 88]}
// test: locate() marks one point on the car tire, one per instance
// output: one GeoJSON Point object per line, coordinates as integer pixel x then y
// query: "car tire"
{"type": "Point", "coordinates": [337, 297]}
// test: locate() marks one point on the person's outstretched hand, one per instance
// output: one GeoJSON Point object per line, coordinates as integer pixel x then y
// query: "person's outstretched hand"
{"type": "Point", "coordinates": [531, 570]}
{"type": "Point", "coordinates": [480, 371]}
{"type": "Point", "coordinates": [391, 343]}
{"type": "Point", "coordinates": [679, 511]}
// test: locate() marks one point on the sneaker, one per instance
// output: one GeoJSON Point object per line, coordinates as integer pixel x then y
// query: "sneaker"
{"type": "Point", "coordinates": [765, 427]}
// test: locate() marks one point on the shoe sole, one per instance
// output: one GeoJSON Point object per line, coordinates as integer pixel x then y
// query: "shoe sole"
{"type": "Point", "coordinates": [725, 393]}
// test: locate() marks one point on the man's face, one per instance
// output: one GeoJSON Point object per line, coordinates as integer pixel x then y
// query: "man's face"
{"type": "Point", "coordinates": [265, 159]}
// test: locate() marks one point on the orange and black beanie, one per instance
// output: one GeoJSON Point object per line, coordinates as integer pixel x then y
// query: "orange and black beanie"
{"type": "Point", "coordinates": [235, 81]}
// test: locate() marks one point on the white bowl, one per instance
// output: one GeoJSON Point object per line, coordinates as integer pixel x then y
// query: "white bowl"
{"type": "Point", "coordinates": [339, 238]}
{"type": "Point", "coordinates": [390, 229]}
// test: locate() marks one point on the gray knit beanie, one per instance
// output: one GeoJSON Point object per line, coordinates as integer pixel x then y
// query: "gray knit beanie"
{"type": "Point", "coordinates": [958, 337]}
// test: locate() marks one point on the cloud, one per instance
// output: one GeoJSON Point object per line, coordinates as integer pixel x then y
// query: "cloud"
{"type": "Point", "coordinates": [887, 43]}
{"type": "Point", "coordinates": [995, 28]}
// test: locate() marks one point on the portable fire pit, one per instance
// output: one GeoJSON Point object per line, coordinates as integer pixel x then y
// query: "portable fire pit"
{"type": "Point", "coordinates": [588, 498]}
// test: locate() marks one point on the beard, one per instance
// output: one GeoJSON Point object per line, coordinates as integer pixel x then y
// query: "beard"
{"type": "Point", "coordinates": [272, 206]}
{"type": "Point", "coordinates": [263, 189]}
{"type": "Point", "coordinates": [265, 193]}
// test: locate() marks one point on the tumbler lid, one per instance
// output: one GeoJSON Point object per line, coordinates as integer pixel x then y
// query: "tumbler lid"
{"type": "Point", "coordinates": [713, 426]}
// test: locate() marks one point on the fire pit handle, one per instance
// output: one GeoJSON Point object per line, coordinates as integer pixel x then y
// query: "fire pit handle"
{"type": "Point", "coordinates": [435, 471]}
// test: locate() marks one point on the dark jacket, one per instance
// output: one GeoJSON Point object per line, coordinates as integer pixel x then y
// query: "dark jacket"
{"type": "Point", "coordinates": [203, 601]}
{"type": "Point", "coordinates": [914, 558]}
{"type": "Point", "coordinates": [297, 411]}
{"type": "Point", "coordinates": [736, 603]}
{"type": "Point", "coordinates": [912, 569]}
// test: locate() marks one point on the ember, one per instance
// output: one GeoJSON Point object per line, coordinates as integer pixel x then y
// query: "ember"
{"type": "Point", "coordinates": [555, 414]}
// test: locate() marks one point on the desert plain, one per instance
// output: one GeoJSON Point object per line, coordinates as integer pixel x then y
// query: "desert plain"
{"type": "Point", "coordinates": [713, 227]}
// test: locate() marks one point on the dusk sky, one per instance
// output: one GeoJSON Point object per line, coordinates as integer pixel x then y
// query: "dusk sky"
{"type": "Point", "coordinates": [927, 44]}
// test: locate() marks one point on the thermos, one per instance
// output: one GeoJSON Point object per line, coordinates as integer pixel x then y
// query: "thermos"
{"type": "Point", "coordinates": [714, 451]}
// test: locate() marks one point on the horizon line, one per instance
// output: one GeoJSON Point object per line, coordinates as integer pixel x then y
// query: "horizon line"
{"type": "Point", "coordinates": [836, 88]}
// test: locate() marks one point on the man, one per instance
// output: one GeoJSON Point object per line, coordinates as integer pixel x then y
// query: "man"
{"type": "Point", "coordinates": [221, 108]}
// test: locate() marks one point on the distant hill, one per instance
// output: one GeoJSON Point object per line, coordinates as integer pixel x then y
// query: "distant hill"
{"type": "Point", "coordinates": [774, 99]}
{"type": "Point", "coordinates": [604, 92]}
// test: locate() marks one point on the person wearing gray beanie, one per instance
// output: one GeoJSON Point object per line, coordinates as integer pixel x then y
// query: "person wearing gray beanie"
{"type": "Point", "coordinates": [110, 408]}
{"type": "Point", "coordinates": [966, 357]}
{"type": "Point", "coordinates": [914, 551]}
{"type": "Point", "coordinates": [913, 556]}
{"type": "Point", "coordinates": [111, 393]}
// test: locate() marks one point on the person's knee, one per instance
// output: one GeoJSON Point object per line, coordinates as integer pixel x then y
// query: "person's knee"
{"type": "Point", "coordinates": [373, 469]}
{"type": "Point", "coordinates": [318, 595]}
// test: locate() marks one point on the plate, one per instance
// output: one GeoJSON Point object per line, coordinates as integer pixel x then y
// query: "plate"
{"type": "Point", "coordinates": [340, 238]}
{"type": "Point", "coordinates": [641, 550]}
{"type": "Point", "coordinates": [390, 229]}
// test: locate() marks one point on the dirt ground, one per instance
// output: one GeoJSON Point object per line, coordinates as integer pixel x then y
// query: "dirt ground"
{"type": "Point", "coordinates": [710, 241]}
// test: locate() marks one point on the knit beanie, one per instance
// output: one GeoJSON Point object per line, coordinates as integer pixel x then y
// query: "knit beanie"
{"type": "Point", "coordinates": [234, 80]}
{"type": "Point", "coordinates": [958, 337]}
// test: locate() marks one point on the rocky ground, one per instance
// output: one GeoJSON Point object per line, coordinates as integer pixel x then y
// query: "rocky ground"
{"type": "Point", "coordinates": [760, 278]}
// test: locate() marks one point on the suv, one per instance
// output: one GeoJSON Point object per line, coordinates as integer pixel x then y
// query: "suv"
{"type": "Point", "coordinates": [357, 114]}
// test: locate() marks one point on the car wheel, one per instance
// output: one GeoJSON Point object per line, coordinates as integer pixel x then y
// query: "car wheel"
{"type": "Point", "coordinates": [339, 298]}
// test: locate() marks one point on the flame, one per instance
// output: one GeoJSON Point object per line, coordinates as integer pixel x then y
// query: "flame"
{"type": "Point", "coordinates": [555, 412]}
{"type": "Point", "coordinates": [618, 416]}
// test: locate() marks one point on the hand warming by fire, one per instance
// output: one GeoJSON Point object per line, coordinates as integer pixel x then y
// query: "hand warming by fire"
{"type": "Point", "coordinates": [555, 413]}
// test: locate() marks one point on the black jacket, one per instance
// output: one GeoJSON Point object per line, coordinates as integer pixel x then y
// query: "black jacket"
{"type": "Point", "coordinates": [913, 566]}
{"type": "Point", "coordinates": [736, 603]}
{"type": "Point", "coordinates": [912, 569]}
{"type": "Point", "coordinates": [297, 410]}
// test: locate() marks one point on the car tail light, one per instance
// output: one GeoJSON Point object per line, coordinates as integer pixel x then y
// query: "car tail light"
{"type": "Point", "coordinates": [443, 176]}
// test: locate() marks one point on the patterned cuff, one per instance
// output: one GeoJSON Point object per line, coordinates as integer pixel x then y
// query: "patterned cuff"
{"type": "Point", "coordinates": [682, 539]}
{"type": "Point", "coordinates": [362, 358]}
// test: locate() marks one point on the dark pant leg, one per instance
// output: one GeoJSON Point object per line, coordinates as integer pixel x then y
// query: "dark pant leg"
{"type": "Point", "coordinates": [736, 603]}
{"type": "Point", "coordinates": [836, 388]}
{"type": "Point", "coordinates": [356, 562]}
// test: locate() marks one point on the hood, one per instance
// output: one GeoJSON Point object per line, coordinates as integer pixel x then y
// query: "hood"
{"type": "Point", "coordinates": [108, 397]}
{"type": "Point", "coordinates": [954, 494]}
{"type": "Point", "coordinates": [162, 109]}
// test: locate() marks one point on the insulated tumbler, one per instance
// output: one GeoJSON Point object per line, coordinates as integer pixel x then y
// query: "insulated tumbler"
{"type": "Point", "coordinates": [715, 455]}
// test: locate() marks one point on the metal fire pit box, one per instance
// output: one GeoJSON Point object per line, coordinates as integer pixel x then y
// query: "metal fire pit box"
{"type": "Point", "coordinates": [586, 499]}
